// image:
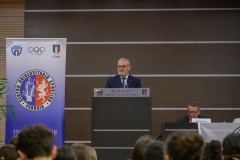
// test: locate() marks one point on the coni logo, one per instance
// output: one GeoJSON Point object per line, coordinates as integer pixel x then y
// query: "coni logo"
{"type": "Point", "coordinates": [56, 50]}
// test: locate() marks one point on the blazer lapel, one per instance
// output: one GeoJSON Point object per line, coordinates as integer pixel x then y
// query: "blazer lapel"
{"type": "Point", "coordinates": [118, 82]}
{"type": "Point", "coordinates": [130, 81]}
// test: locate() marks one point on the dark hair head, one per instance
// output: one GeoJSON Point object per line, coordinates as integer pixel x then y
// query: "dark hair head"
{"type": "Point", "coordinates": [81, 151]}
{"type": "Point", "coordinates": [35, 141]}
{"type": "Point", "coordinates": [13, 141]}
{"type": "Point", "coordinates": [231, 146]}
{"type": "Point", "coordinates": [154, 151]}
{"type": "Point", "coordinates": [212, 150]}
{"type": "Point", "coordinates": [194, 104]}
{"type": "Point", "coordinates": [8, 152]}
{"type": "Point", "coordinates": [184, 145]}
{"type": "Point", "coordinates": [139, 146]}
{"type": "Point", "coordinates": [65, 153]}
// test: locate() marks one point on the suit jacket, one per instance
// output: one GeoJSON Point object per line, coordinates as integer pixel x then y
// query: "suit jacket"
{"type": "Point", "coordinates": [185, 119]}
{"type": "Point", "coordinates": [115, 82]}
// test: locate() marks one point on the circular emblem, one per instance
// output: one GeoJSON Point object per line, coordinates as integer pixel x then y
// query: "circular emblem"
{"type": "Point", "coordinates": [35, 90]}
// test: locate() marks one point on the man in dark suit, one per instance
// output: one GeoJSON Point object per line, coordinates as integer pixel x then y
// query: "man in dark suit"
{"type": "Point", "coordinates": [193, 111]}
{"type": "Point", "coordinates": [123, 79]}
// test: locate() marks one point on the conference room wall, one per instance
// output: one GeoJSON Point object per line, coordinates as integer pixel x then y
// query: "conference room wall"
{"type": "Point", "coordinates": [154, 58]}
{"type": "Point", "coordinates": [135, 26]}
{"type": "Point", "coordinates": [80, 128]}
{"type": "Point", "coordinates": [166, 92]}
{"type": "Point", "coordinates": [11, 25]}
{"type": "Point", "coordinates": [183, 51]}
{"type": "Point", "coordinates": [125, 4]}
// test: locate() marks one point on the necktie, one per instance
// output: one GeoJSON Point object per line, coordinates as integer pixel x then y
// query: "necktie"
{"type": "Point", "coordinates": [123, 79]}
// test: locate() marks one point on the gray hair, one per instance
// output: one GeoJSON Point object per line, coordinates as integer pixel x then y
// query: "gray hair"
{"type": "Point", "coordinates": [124, 59]}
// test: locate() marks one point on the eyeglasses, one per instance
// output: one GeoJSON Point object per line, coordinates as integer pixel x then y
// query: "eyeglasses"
{"type": "Point", "coordinates": [192, 112]}
{"type": "Point", "coordinates": [123, 66]}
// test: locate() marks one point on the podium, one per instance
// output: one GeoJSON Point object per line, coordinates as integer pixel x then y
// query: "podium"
{"type": "Point", "coordinates": [119, 116]}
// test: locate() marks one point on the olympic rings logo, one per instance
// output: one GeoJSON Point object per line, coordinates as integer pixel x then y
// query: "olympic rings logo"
{"type": "Point", "coordinates": [36, 50]}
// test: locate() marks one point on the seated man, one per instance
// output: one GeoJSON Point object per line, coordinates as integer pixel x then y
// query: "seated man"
{"type": "Point", "coordinates": [193, 111]}
{"type": "Point", "coordinates": [123, 79]}
{"type": "Point", "coordinates": [36, 142]}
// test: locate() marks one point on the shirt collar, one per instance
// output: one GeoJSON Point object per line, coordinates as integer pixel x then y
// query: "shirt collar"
{"type": "Point", "coordinates": [126, 76]}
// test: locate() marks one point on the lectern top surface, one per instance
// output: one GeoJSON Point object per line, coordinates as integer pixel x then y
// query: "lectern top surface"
{"type": "Point", "coordinates": [121, 92]}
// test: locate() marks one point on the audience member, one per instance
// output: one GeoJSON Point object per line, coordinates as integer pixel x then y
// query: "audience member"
{"type": "Point", "coordinates": [13, 141]}
{"type": "Point", "coordinates": [8, 152]}
{"type": "Point", "coordinates": [123, 79]}
{"type": "Point", "coordinates": [140, 145]}
{"type": "Point", "coordinates": [212, 151]}
{"type": "Point", "coordinates": [154, 151]}
{"type": "Point", "coordinates": [81, 151]}
{"type": "Point", "coordinates": [92, 153]}
{"type": "Point", "coordinates": [65, 153]}
{"type": "Point", "coordinates": [36, 142]}
{"type": "Point", "coordinates": [231, 147]}
{"type": "Point", "coordinates": [184, 146]}
{"type": "Point", "coordinates": [193, 111]}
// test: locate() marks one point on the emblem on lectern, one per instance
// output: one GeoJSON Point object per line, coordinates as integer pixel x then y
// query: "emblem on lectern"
{"type": "Point", "coordinates": [99, 92]}
{"type": "Point", "coordinates": [144, 92]}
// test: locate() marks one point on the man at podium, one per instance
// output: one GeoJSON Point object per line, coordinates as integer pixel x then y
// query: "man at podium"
{"type": "Point", "coordinates": [193, 111]}
{"type": "Point", "coordinates": [123, 79]}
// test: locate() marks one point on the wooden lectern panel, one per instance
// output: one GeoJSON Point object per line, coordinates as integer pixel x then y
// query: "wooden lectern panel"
{"type": "Point", "coordinates": [117, 123]}
{"type": "Point", "coordinates": [121, 113]}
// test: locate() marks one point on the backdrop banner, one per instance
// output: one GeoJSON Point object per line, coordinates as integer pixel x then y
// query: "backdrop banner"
{"type": "Point", "coordinates": [36, 84]}
{"type": "Point", "coordinates": [217, 131]}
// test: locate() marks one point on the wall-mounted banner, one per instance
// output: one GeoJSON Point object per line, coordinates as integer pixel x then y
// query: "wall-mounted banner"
{"type": "Point", "coordinates": [36, 84]}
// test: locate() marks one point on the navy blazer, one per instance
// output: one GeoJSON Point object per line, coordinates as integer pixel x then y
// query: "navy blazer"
{"type": "Point", "coordinates": [185, 119]}
{"type": "Point", "coordinates": [115, 82]}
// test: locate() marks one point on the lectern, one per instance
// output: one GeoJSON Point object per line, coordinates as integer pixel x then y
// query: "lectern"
{"type": "Point", "coordinates": [119, 116]}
